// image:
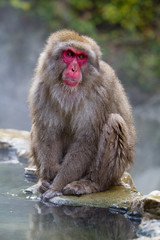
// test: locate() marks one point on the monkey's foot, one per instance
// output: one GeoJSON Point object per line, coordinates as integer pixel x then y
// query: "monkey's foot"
{"type": "Point", "coordinates": [50, 194]}
{"type": "Point", "coordinates": [81, 187]}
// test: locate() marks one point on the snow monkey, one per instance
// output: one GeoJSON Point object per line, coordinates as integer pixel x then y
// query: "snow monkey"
{"type": "Point", "coordinates": [82, 136]}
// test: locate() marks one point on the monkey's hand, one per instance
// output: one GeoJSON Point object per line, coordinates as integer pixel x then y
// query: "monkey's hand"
{"type": "Point", "coordinates": [43, 186]}
{"type": "Point", "coordinates": [50, 194]}
{"type": "Point", "coordinates": [48, 172]}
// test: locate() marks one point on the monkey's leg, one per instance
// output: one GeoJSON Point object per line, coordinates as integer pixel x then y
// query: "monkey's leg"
{"type": "Point", "coordinates": [114, 153]}
{"type": "Point", "coordinates": [81, 187]}
{"type": "Point", "coordinates": [75, 164]}
{"type": "Point", "coordinates": [113, 158]}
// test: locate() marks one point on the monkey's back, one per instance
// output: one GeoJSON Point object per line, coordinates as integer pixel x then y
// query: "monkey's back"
{"type": "Point", "coordinates": [116, 98]}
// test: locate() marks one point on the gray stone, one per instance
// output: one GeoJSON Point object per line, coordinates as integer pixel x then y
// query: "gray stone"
{"type": "Point", "coordinates": [149, 204]}
{"type": "Point", "coordinates": [14, 145]}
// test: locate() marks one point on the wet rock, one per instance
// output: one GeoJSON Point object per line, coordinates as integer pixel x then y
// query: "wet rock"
{"type": "Point", "coordinates": [149, 229]}
{"type": "Point", "coordinates": [30, 173]}
{"type": "Point", "coordinates": [128, 181]}
{"type": "Point", "coordinates": [14, 146]}
{"type": "Point", "coordinates": [149, 207]}
{"type": "Point", "coordinates": [148, 204]}
{"type": "Point", "coordinates": [117, 197]}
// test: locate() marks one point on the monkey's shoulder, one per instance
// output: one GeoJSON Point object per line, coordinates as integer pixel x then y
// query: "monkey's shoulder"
{"type": "Point", "coordinates": [107, 72]}
{"type": "Point", "coordinates": [109, 77]}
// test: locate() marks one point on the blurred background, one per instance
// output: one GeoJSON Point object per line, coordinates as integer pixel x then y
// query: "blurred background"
{"type": "Point", "coordinates": [128, 32]}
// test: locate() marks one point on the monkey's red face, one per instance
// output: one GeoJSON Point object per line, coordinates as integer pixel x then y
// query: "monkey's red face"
{"type": "Point", "coordinates": [74, 60]}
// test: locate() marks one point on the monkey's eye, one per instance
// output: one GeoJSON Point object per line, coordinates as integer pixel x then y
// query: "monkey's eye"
{"type": "Point", "coordinates": [70, 54]}
{"type": "Point", "coordinates": [81, 56]}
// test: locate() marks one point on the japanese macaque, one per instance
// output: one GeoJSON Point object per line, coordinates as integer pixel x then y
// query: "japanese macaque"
{"type": "Point", "coordinates": [82, 137]}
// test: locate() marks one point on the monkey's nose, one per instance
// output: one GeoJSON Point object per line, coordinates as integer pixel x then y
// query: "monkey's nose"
{"type": "Point", "coordinates": [74, 69]}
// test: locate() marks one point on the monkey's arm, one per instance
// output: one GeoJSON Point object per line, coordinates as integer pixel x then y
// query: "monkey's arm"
{"type": "Point", "coordinates": [75, 165]}
{"type": "Point", "coordinates": [46, 154]}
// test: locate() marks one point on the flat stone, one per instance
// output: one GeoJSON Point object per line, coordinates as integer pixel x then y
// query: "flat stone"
{"type": "Point", "coordinates": [116, 197]}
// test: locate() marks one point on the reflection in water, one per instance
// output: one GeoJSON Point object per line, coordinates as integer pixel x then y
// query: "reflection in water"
{"type": "Point", "coordinates": [78, 223]}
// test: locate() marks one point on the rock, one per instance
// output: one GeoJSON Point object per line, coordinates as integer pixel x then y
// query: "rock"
{"type": "Point", "coordinates": [147, 204]}
{"type": "Point", "coordinates": [149, 207]}
{"type": "Point", "coordinates": [128, 181]}
{"type": "Point", "coordinates": [149, 229]}
{"type": "Point", "coordinates": [30, 173]}
{"type": "Point", "coordinates": [14, 145]}
{"type": "Point", "coordinates": [117, 197]}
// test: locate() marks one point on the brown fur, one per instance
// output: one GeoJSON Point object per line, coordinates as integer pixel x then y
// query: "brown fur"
{"type": "Point", "coordinates": [82, 138]}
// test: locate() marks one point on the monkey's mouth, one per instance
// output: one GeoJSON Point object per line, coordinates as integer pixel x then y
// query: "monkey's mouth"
{"type": "Point", "coordinates": [71, 83]}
